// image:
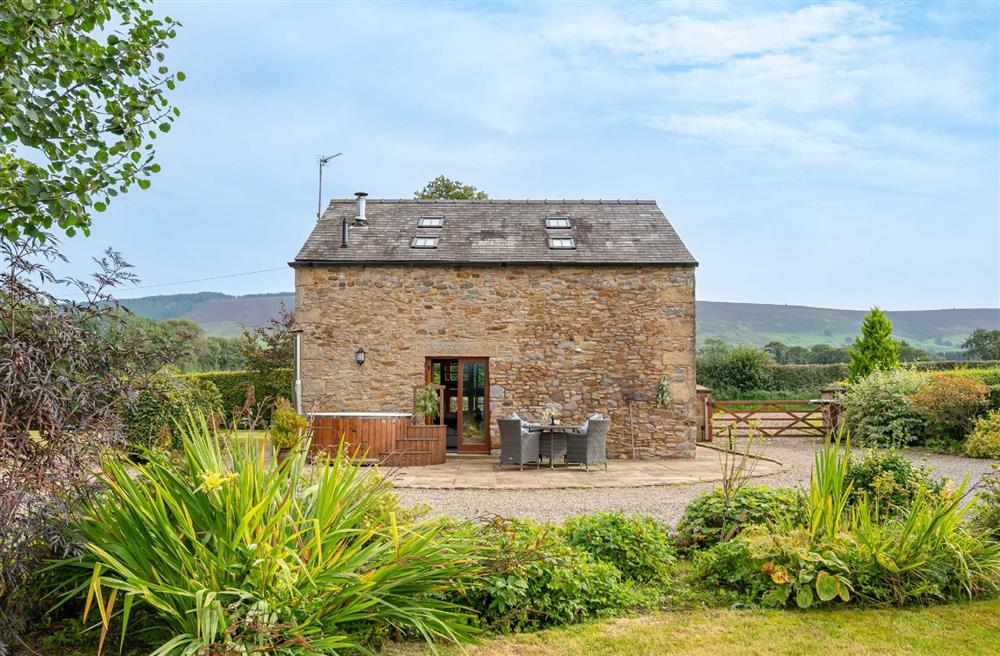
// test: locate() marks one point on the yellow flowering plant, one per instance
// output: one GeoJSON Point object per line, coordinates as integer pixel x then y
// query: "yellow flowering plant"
{"type": "Point", "coordinates": [223, 551]}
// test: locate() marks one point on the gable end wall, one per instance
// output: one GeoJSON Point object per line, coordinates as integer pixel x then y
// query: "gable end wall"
{"type": "Point", "coordinates": [584, 337]}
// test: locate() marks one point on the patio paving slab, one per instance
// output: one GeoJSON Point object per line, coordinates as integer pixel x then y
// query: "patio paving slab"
{"type": "Point", "coordinates": [486, 474]}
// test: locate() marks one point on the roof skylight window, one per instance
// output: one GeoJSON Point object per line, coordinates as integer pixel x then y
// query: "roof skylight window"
{"type": "Point", "coordinates": [557, 222]}
{"type": "Point", "coordinates": [430, 222]}
{"type": "Point", "coordinates": [424, 242]}
{"type": "Point", "coordinates": [561, 243]}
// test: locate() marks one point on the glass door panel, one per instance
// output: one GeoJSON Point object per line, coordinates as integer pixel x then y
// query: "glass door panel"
{"type": "Point", "coordinates": [474, 406]}
{"type": "Point", "coordinates": [445, 373]}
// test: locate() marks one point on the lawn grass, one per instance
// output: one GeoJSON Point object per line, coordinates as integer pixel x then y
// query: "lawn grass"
{"type": "Point", "coordinates": [966, 629]}
{"type": "Point", "coordinates": [969, 629]}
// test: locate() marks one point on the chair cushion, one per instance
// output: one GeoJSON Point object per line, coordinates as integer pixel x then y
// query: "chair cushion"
{"type": "Point", "coordinates": [586, 424]}
{"type": "Point", "coordinates": [525, 424]}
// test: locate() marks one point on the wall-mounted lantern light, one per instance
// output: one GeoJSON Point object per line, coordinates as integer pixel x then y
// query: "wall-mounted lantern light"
{"type": "Point", "coordinates": [359, 357]}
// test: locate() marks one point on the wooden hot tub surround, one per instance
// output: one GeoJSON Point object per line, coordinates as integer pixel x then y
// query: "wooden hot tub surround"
{"type": "Point", "coordinates": [384, 438]}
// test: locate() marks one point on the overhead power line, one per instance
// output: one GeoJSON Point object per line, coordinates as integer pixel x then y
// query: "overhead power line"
{"type": "Point", "coordinates": [185, 282]}
{"type": "Point", "coordinates": [228, 275]}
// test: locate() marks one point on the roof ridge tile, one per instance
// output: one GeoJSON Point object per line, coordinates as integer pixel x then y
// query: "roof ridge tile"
{"type": "Point", "coordinates": [501, 201]}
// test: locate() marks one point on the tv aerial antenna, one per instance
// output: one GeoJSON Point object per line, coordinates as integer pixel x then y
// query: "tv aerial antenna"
{"type": "Point", "coordinates": [323, 161]}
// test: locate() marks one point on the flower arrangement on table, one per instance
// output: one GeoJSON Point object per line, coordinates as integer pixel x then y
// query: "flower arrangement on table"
{"type": "Point", "coordinates": [552, 412]}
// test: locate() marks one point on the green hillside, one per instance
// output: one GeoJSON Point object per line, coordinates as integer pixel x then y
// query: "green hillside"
{"type": "Point", "coordinates": [738, 323]}
{"type": "Point", "coordinates": [757, 323]}
{"type": "Point", "coordinates": [173, 306]}
{"type": "Point", "coordinates": [219, 314]}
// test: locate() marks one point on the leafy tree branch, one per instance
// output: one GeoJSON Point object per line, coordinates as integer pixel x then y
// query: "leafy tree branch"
{"type": "Point", "coordinates": [83, 96]}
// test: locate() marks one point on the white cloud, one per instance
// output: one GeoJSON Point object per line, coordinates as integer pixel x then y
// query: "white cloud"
{"type": "Point", "coordinates": [689, 40]}
{"type": "Point", "coordinates": [732, 115]}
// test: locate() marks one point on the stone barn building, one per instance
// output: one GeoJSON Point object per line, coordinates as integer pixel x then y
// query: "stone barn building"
{"type": "Point", "coordinates": [504, 305]}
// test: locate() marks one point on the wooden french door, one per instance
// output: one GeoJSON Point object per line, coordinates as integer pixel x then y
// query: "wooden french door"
{"type": "Point", "coordinates": [474, 405]}
{"type": "Point", "coordinates": [466, 400]}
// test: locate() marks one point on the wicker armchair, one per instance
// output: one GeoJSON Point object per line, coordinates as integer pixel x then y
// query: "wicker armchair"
{"type": "Point", "coordinates": [517, 446]}
{"type": "Point", "coordinates": [589, 447]}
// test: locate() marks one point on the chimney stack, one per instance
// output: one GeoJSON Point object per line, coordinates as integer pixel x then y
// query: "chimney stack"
{"type": "Point", "coordinates": [345, 233]}
{"type": "Point", "coordinates": [361, 219]}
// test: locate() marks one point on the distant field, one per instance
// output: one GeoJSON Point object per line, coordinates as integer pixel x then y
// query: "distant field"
{"type": "Point", "coordinates": [737, 323]}
{"type": "Point", "coordinates": [224, 328]}
{"type": "Point", "coordinates": [758, 324]}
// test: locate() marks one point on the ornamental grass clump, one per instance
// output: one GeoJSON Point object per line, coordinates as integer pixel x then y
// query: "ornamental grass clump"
{"type": "Point", "coordinates": [226, 554]}
{"type": "Point", "coordinates": [927, 555]}
{"type": "Point", "coordinates": [987, 516]}
{"type": "Point", "coordinates": [847, 551]}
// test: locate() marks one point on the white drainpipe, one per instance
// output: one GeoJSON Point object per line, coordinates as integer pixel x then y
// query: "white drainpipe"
{"type": "Point", "coordinates": [298, 371]}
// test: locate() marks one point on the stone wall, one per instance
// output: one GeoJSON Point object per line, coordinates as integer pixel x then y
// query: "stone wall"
{"type": "Point", "coordinates": [587, 338]}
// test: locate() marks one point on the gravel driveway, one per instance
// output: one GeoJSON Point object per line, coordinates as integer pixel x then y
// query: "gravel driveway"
{"type": "Point", "coordinates": [666, 503]}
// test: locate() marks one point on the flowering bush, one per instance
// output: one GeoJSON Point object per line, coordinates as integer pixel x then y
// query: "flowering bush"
{"type": "Point", "coordinates": [532, 578]}
{"type": "Point", "coordinates": [890, 482]}
{"type": "Point", "coordinates": [638, 546]}
{"type": "Point", "coordinates": [950, 405]}
{"type": "Point", "coordinates": [711, 517]}
{"type": "Point", "coordinates": [984, 440]}
{"type": "Point", "coordinates": [777, 569]}
{"type": "Point", "coordinates": [879, 409]}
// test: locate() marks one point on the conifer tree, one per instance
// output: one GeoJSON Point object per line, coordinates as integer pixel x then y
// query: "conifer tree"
{"type": "Point", "coordinates": [875, 349]}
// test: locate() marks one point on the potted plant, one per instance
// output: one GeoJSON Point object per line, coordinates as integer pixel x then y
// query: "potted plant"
{"type": "Point", "coordinates": [552, 412]}
{"type": "Point", "coordinates": [664, 397]}
{"type": "Point", "coordinates": [426, 402]}
{"type": "Point", "coordinates": [286, 428]}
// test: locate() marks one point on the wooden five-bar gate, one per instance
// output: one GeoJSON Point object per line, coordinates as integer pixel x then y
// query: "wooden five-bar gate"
{"type": "Point", "coordinates": [788, 418]}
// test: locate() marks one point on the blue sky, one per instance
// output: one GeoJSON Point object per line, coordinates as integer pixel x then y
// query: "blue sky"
{"type": "Point", "coordinates": [839, 155]}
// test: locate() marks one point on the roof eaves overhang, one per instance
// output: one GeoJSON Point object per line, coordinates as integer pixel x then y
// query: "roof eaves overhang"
{"type": "Point", "coordinates": [483, 263]}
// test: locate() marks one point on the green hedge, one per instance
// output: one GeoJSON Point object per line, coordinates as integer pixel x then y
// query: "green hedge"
{"type": "Point", "coordinates": [986, 375]}
{"type": "Point", "coordinates": [233, 387]}
{"type": "Point", "coordinates": [947, 365]}
{"type": "Point", "coordinates": [163, 404]}
{"type": "Point", "coordinates": [812, 377]}
{"type": "Point", "coordinates": [806, 376]}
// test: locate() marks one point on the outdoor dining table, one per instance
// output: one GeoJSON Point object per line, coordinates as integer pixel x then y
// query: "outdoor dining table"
{"type": "Point", "coordinates": [558, 434]}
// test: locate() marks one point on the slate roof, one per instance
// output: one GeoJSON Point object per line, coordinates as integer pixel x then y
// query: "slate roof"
{"type": "Point", "coordinates": [489, 232]}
